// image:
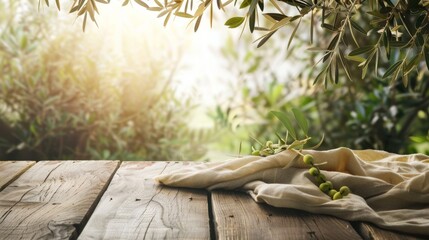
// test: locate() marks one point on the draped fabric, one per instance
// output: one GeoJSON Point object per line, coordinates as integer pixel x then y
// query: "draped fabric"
{"type": "Point", "coordinates": [389, 190]}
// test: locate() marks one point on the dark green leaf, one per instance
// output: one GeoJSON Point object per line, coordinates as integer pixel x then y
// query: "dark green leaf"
{"type": "Point", "coordinates": [331, 47]}
{"type": "Point", "coordinates": [361, 50]}
{"type": "Point", "coordinates": [329, 27]}
{"type": "Point", "coordinates": [265, 39]}
{"type": "Point", "coordinates": [218, 3]}
{"type": "Point", "coordinates": [284, 119]}
{"type": "Point", "coordinates": [419, 39]}
{"type": "Point", "coordinates": [252, 19]}
{"type": "Point", "coordinates": [234, 22]}
{"type": "Point", "coordinates": [322, 74]}
{"type": "Point", "coordinates": [386, 40]}
{"type": "Point", "coordinates": [261, 5]}
{"type": "Point", "coordinates": [357, 27]}
{"type": "Point", "coordinates": [302, 121]}
{"type": "Point", "coordinates": [412, 63]}
{"type": "Point", "coordinates": [276, 16]}
{"type": "Point", "coordinates": [407, 25]}
{"type": "Point", "coordinates": [420, 20]}
{"type": "Point", "coordinates": [297, 3]}
{"type": "Point", "coordinates": [392, 69]}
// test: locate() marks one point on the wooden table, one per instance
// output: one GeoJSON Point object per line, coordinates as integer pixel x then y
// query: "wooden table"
{"type": "Point", "coordinates": [120, 200]}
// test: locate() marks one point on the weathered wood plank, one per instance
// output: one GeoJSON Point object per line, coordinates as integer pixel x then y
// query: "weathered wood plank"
{"type": "Point", "coordinates": [369, 231]}
{"type": "Point", "coordinates": [11, 170]}
{"type": "Point", "coordinates": [52, 200]}
{"type": "Point", "coordinates": [237, 216]}
{"type": "Point", "coordinates": [135, 207]}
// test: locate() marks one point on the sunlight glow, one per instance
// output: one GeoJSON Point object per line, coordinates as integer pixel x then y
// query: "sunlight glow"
{"type": "Point", "coordinates": [121, 29]}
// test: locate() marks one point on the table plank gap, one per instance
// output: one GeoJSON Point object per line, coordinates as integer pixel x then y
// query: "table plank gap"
{"type": "Point", "coordinates": [237, 216]}
{"type": "Point", "coordinates": [11, 170]}
{"type": "Point", "coordinates": [211, 217]}
{"type": "Point", "coordinates": [369, 231]}
{"type": "Point", "coordinates": [135, 207]}
{"type": "Point", "coordinates": [94, 204]}
{"type": "Point", "coordinates": [52, 198]}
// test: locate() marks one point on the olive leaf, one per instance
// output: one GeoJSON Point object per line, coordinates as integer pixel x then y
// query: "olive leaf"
{"type": "Point", "coordinates": [361, 50]}
{"type": "Point", "coordinates": [141, 3]}
{"type": "Point", "coordinates": [357, 27]}
{"type": "Point", "coordinates": [285, 120]}
{"type": "Point", "coordinates": [392, 69]}
{"type": "Point", "coordinates": [234, 22]}
{"type": "Point", "coordinates": [301, 120]}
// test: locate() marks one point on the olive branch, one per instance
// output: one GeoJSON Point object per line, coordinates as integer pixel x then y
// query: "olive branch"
{"type": "Point", "coordinates": [297, 145]}
{"type": "Point", "coordinates": [393, 28]}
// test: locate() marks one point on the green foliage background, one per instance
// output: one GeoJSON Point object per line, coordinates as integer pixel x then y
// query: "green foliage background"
{"type": "Point", "coordinates": [369, 90]}
{"type": "Point", "coordinates": [367, 113]}
{"type": "Point", "coordinates": [64, 97]}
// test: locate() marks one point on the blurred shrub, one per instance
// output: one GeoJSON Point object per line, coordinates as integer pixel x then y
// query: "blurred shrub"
{"type": "Point", "coordinates": [62, 97]}
{"type": "Point", "coordinates": [368, 113]}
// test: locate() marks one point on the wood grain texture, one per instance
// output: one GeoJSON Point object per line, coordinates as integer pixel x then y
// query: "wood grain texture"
{"type": "Point", "coordinates": [237, 216]}
{"type": "Point", "coordinates": [52, 200]}
{"type": "Point", "coordinates": [369, 232]}
{"type": "Point", "coordinates": [11, 170]}
{"type": "Point", "coordinates": [135, 207]}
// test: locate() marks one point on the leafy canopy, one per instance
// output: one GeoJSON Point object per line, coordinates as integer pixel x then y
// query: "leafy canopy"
{"type": "Point", "coordinates": [395, 30]}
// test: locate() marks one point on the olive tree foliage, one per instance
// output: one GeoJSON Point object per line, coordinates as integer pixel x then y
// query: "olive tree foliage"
{"type": "Point", "coordinates": [389, 28]}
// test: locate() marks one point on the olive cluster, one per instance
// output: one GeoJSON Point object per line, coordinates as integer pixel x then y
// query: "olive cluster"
{"type": "Point", "coordinates": [270, 148]}
{"type": "Point", "coordinates": [324, 185]}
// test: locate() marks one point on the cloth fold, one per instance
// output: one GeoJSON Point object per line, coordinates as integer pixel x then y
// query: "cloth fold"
{"type": "Point", "coordinates": [389, 190]}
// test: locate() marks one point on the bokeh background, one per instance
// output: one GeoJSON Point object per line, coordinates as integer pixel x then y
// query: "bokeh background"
{"type": "Point", "coordinates": [129, 88]}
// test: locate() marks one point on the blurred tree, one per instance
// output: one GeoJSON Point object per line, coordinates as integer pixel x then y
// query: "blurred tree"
{"type": "Point", "coordinates": [59, 101]}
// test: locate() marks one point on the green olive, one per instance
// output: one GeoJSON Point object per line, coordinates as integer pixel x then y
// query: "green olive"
{"type": "Point", "coordinates": [344, 190]}
{"type": "Point", "coordinates": [308, 159]}
{"type": "Point", "coordinates": [324, 187]}
{"type": "Point", "coordinates": [330, 184]}
{"type": "Point", "coordinates": [314, 171]}
{"type": "Point", "coordinates": [337, 196]}
{"type": "Point", "coordinates": [321, 178]}
{"type": "Point", "coordinates": [332, 192]}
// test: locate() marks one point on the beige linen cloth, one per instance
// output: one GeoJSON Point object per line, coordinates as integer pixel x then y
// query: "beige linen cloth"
{"type": "Point", "coordinates": [389, 190]}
